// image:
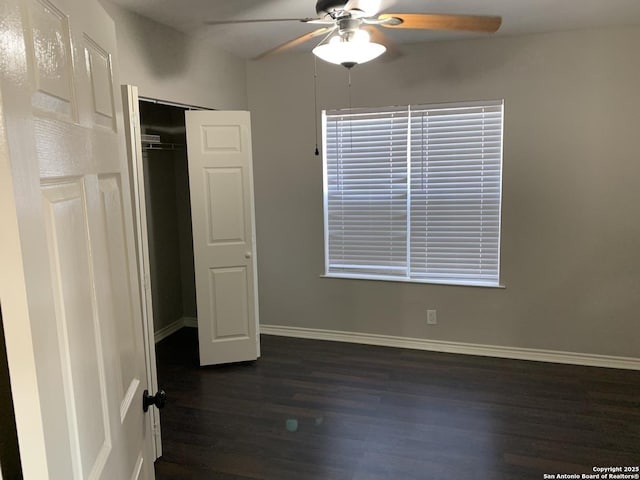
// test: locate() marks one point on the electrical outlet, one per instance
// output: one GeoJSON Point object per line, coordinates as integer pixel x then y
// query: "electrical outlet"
{"type": "Point", "coordinates": [432, 319]}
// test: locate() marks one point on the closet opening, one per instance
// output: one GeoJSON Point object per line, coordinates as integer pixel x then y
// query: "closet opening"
{"type": "Point", "coordinates": [168, 216]}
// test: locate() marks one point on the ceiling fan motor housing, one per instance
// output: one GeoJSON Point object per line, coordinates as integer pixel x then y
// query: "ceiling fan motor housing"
{"type": "Point", "coordinates": [328, 6]}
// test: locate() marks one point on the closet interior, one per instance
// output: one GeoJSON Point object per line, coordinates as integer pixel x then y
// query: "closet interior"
{"type": "Point", "coordinates": [166, 181]}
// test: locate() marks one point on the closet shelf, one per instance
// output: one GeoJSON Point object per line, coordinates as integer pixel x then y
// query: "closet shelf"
{"type": "Point", "coordinates": [162, 146]}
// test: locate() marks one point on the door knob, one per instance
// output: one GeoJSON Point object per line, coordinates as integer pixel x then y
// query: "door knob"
{"type": "Point", "coordinates": [159, 399]}
{"type": "Point", "coordinates": [247, 254]}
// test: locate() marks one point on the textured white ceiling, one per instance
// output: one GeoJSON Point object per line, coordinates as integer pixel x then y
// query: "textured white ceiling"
{"type": "Point", "coordinates": [249, 40]}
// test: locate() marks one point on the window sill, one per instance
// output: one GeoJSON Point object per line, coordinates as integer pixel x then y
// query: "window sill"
{"type": "Point", "coordinates": [407, 280]}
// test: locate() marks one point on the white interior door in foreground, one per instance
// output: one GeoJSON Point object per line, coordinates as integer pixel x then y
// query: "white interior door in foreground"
{"type": "Point", "coordinates": [68, 284]}
{"type": "Point", "coordinates": [221, 185]}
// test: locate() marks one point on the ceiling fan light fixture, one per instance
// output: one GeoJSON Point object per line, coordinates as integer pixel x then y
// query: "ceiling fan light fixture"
{"type": "Point", "coordinates": [349, 52]}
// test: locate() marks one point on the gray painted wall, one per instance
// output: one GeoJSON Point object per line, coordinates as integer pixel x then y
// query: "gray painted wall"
{"type": "Point", "coordinates": [169, 65]}
{"type": "Point", "coordinates": [168, 216]}
{"type": "Point", "coordinates": [164, 241]}
{"type": "Point", "coordinates": [170, 238]}
{"type": "Point", "coordinates": [571, 208]}
{"type": "Point", "coordinates": [185, 237]}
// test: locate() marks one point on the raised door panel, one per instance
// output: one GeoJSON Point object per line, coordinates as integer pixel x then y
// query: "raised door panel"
{"type": "Point", "coordinates": [218, 139]}
{"type": "Point", "coordinates": [128, 359]}
{"type": "Point", "coordinates": [225, 206]}
{"type": "Point", "coordinates": [99, 67]}
{"type": "Point", "coordinates": [48, 42]}
{"type": "Point", "coordinates": [78, 327]}
{"type": "Point", "coordinates": [229, 305]}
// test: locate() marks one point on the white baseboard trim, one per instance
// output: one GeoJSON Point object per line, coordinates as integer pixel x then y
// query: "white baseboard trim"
{"type": "Point", "coordinates": [552, 356]}
{"type": "Point", "coordinates": [191, 322]}
{"type": "Point", "coordinates": [164, 332]}
{"type": "Point", "coordinates": [173, 327]}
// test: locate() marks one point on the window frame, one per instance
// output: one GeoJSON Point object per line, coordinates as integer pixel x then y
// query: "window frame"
{"type": "Point", "coordinates": [408, 278]}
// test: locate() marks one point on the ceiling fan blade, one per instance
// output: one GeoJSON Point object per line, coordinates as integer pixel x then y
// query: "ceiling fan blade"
{"type": "Point", "coordinates": [467, 23]}
{"type": "Point", "coordinates": [295, 42]}
{"type": "Point", "coordinates": [377, 36]}
{"type": "Point", "coordinates": [369, 7]}
{"type": "Point", "coordinates": [263, 20]}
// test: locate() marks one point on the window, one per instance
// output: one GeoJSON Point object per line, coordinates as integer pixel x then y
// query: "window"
{"type": "Point", "coordinates": [414, 193]}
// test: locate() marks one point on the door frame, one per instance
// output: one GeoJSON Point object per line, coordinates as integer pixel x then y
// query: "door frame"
{"type": "Point", "coordinates": [131, 110]}
{"type": "Point", "coordinates": [131, 114]}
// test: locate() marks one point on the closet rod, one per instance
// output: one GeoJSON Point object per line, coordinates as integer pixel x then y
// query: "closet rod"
{"type": "Point", "coordinates": [173, 104]}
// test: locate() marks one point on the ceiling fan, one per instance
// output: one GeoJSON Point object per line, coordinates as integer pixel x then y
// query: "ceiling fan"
{"type": "Point", "coordinates": [348, 26]}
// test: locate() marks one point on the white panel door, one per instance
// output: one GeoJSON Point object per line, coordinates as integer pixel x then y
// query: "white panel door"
{"type": "Point", "coordinates": [221, 185]}
{"type": "Point", "coordinates": [68, 286]}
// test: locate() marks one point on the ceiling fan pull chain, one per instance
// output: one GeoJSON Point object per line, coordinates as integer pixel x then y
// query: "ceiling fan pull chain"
{"type": "Point", "coordinates": [315, 100]}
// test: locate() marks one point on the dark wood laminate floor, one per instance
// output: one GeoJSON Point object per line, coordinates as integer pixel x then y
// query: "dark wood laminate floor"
{"type": "Point", "coordinates": [323, 410]}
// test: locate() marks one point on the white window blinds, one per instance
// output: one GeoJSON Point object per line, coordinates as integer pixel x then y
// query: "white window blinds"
{"type": "Point", "coordinates": [366, 192]}
{"type": "Point", "coordinates": [414, 193]}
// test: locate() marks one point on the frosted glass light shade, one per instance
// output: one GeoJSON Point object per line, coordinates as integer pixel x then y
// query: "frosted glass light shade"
{"type": "Point", "coordinates": [348, 53]}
